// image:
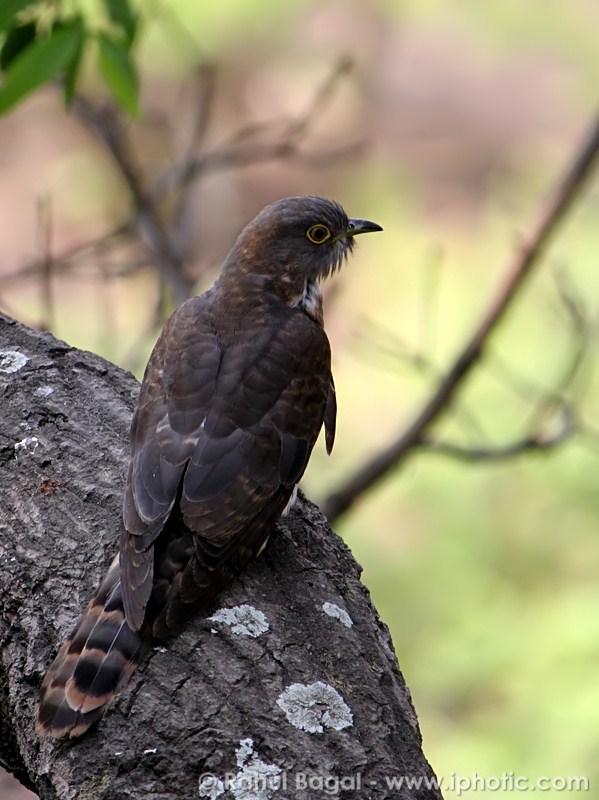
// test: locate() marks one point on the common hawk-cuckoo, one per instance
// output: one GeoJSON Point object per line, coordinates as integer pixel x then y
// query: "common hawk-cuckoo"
{"type": "Point", "coordinates": [233, 398]}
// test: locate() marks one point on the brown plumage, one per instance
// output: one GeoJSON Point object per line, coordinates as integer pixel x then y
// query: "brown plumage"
{"type": "Point", "coordinates": [233, 398]}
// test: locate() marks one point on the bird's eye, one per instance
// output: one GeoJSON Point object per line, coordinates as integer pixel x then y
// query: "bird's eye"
{"type": "Point", "coordinates": [318, 234]}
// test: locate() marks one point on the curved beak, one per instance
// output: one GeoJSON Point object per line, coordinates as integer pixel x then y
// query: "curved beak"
{"type": "Point", "coordinates": [357, 226]}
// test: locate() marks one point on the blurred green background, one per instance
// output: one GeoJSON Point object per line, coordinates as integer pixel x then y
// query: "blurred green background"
{"type": "Point", "coordinates": [486, 574]}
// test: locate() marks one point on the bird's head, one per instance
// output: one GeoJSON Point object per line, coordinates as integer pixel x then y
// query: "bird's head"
{"type": "Point", "coordinates": [296, 242]}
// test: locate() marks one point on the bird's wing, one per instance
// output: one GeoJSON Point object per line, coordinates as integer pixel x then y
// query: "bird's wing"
{"type": "Point", "coordinates": [162, 440]}
{"type": "Point", "coordinates": [330, 417]}
{"type": "Point", "coordinates": [223, 431]}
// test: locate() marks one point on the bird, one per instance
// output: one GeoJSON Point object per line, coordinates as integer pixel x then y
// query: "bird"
{"type": "Point", "coordinates": [233, 399]}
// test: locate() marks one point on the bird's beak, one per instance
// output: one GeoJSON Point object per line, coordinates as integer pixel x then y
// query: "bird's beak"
{"type": "Point", "coordinates": [357, 226]}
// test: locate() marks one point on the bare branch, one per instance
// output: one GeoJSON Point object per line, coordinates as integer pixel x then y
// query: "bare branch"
{"type": "Point", "coordinates": [205, 90]}
{"type": "Point", "coordinates": [242, 149]}
{"type": "Point", "coordinates": [204, 103]}
{"type": "Point", "coordinates": [45, 241]}
{"type": "Point", "coordinates": [70, 258]}
{"type": "Point", "coordinates": [525, 260]}
{"type": "Point", "coordinates": [534, 443]}
{"type": "Point", "coordinates": [104, 123]}
{"type": "Point", "coordinates": [579, 322]}
{"type": "Point", "coordinates": [323, 95]}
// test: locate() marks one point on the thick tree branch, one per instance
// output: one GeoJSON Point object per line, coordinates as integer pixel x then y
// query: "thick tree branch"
{"type": "Point", "coordinates": [198, 699]}
{"type": "Point", "coordinates": [525, 260]}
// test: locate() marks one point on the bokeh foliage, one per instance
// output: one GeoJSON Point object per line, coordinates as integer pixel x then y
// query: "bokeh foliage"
{"type": "Point", "coordinates": [43, 41]}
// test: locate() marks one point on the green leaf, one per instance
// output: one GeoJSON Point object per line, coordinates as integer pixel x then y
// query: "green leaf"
{"type": "Point", "coordinates": [9, 10]}
{"type": "Point", "coordinates": [38, 64]}
{"type": "Point", "coordinates": [16, 41]}
{"type": "Point", "coordinates": [72, 69]}
{"type": "Point", "coordinates": [121, 14]}
{"type": "Point", "coordinates": [119, 72]}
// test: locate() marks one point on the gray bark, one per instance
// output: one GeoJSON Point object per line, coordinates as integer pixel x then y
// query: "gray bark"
{"type": "Point", "coordinates": [198, 698]}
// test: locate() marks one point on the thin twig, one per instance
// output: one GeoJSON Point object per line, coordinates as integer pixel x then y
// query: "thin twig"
{"type": "Point", "coordinates": [242, 148]}
{"type": "Point", "coordinates": [69, 258]}
{"type": "Point", "coordinates": [105, 125]}
{"type": "Point", "coordinates": [522, 265]}
{"type": "Point", "coordinates": [535, 442]}
{"type": "Point", "coordinates": [45, 242]}
{"type": "Point", "coordinates": [203, 105]}
{"type": "Point", "coordinates": [205, 94]}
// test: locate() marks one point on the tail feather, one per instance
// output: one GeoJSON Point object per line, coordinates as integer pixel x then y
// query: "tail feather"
{"type": "Point", "coordinates": [92, 666]}
{"type": "Point", "coordinates": [102, 653]}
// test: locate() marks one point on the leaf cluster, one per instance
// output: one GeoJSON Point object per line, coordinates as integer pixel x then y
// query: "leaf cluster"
{"type": "Point", "coordinates": [42, 42]}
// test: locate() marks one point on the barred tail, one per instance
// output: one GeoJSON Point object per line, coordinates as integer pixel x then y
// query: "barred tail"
{"type": "Point", "coordinates": [93, 665]}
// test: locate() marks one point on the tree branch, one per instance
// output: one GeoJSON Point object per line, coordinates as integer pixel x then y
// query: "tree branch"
{"type": "Point", "coordinates": [246, 147]}
{"type": "Point", "coordinates": [105, 124]}
{"type": "Point", "coordinates": [525, 260]}
{"type": "Point", "coordinates": [534, 442]}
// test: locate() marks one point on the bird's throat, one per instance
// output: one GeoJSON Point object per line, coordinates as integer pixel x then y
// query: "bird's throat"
{"type": "Point", "coordinates": [310, 301]}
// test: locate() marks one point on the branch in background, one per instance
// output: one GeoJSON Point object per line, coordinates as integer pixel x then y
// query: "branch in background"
{"type": "Point", "coordinates": [45, 243]}
{"type": "Point", "coordinates": [554, 418]}
{"type": "Point", "coordinates": [70, 258]}
{"type": "Point", "coordinates": [106, 125]}
{"type": "Point", "coordinates": [526, 259]}
{"type": "Point", "coordinates": [249, 145]}
{"type": "Point", "coordinates": [203, 104]}
{"type": "Point", "coordinates": [535, 442]}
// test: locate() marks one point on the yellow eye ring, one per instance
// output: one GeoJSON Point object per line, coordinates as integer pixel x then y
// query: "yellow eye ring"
{"type": "Point", "coordinates": [318, 234]}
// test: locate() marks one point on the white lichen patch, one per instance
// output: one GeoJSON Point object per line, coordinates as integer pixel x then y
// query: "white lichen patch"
{"type": "Point", "coordinates": [338, 613]}
{"type": "Point", "coordinates": [43, 391]}
{"type": "Point", "coordinates": [254, 780]}
{"type": "Point", "coordinates": [314, 707]}
{"type": "Point", "coordinates": [211, 787]}
{"type": "Point", "coordinates": [12, 360]}
{"type": "Point", "coordinates": [244, 620]}
{"type": "Point", "coordinates": [244, 751]}
{"type": "Point", "coordinates": [26, 445]}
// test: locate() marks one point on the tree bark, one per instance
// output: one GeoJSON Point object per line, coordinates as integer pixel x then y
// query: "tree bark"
{"type": "Point", "coordinates": [279, 699]}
